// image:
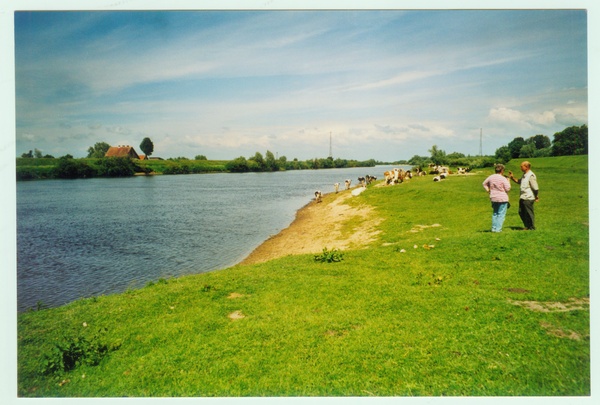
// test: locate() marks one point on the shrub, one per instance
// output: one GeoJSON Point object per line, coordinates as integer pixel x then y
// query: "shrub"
{"type": "Point", "coordinates": [115, 167]}
{"type": "Point", "coordinates": [237, 165]}
{"type": "Point", "coordinates": [68, 168]}
{"type": "Point", "coordinates": [70, 352]}
{"type": "Point", "coordinates": [329, 256]}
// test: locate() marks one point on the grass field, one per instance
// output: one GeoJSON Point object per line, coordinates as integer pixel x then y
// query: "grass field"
{"type": "Point", "coordinates": [390, 320]}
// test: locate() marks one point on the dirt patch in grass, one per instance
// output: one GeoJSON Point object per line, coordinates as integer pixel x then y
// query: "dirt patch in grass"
{"type": "Point", "coordinates": [574, 304]}
{"type": "Point", "coordinates": [235, 295]}
{"type": "Point", "coordinates": [419, 228]}
{"type": "Point", "coordinates": [320, 225]}
{"type": "Point", "coordinates": [236, 315]}
{"type": "Point", "coordinates": [552, 330]}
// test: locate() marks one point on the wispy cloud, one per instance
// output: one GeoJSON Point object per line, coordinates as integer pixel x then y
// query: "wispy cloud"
{"type": "Point", "coordinates": [231, 82]}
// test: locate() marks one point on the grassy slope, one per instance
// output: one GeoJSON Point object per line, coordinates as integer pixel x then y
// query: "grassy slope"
{"type": "Point", "coordinates": [381, 322]}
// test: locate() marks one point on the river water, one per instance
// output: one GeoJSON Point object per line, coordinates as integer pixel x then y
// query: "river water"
{"type": "Point", "coordinates": [84, 237]}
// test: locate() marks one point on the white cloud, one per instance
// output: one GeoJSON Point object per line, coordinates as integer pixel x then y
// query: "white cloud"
{"type": "Point", "coordinates": [514, 117]}
{"type": "Point", "coordinates": [118, 130]}
{"type": "Point", "coordinates": [28, 137]}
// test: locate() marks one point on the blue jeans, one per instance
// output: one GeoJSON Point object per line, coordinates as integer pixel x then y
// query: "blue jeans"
{"type": "Point", "coordinates": [498, 216]}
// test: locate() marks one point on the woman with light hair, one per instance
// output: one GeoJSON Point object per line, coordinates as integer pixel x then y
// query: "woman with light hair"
{"type": "Point", "coordinates": [498, 187]}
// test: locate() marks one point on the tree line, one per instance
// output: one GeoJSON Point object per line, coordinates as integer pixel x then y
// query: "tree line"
{"type": "Point", "coordinates": [269, 163]}
{"type": "Point", "coordinates": [570, 141]}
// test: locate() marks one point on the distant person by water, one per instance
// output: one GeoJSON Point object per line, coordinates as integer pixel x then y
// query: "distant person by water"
{"type": "Point", "coordinates": [529, 195]}
{"type": "Point", "coordinates": [498, 187]}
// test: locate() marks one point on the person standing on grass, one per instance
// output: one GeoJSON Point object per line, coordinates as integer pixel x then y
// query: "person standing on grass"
{"type": "Point", "coordinates": [529, 195]}
{"type": "Point", "coordinates": [498, 187]}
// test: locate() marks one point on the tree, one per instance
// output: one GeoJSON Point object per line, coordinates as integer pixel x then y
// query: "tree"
{"type": "Point", "coordinates": [37, 153]}
{"type": "Point", "coordinates": [256, 162]}
{"type": "Point", "coordinates": [98, 150]}
{"type": "Point", "coordinates": [540, 141]}
{"type": "Point", "coordinates": [503, 154]}
{"type": "Point", "coordinates": [515, 147]}
{"type": "Point", "coordinates": [571, 141]}
{"type": "Point", "coordinates": [416, 160]}
{"type": "Point", "coordinates": [200, 157]}
{"type": "Point", "coordinates": [438, 156]}
{"type": "Point", "coordinates": [147, 147]}
{"type": "Point", "coordinates": [237, 165]}
{"type": "Point", "coordinates": [528, 151]}
{"type": "Point", "coordinates": [270, 163]}
{"type": "Point", "coordinates": [48, 157]}
{"type": "Point", "coordinates": [455, 155]}
{"type": "Point", "coordinates": [544, 152]}
{"type": "Point", "coordinates": [27, 155]}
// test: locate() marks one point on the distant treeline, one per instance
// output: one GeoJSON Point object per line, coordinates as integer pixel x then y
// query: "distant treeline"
{"type": "Point", "coordinates": [257, 163]}
{"type": "Point", "coordinates": [571, 141]}
{"type": "Point", "coordinates": [66, 167]}
{"type": "Point", "coordinates": [34, 165]}
{"type": "Point", "coordinates": [69, 168]}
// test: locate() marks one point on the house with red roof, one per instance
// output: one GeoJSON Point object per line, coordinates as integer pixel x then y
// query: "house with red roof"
{"type": "Point", "coordinates": [122, 151]}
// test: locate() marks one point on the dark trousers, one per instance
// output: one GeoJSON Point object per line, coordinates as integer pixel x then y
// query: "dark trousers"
{"type": "Point", "coordinates": [526, 213]}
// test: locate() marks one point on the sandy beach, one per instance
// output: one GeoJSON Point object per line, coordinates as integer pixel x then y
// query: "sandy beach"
{"type": "Point", "coordinates": [319, 225]}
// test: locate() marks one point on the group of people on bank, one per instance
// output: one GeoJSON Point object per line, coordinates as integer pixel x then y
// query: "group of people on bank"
{"type": "Point", "coordinates": [497, 185]}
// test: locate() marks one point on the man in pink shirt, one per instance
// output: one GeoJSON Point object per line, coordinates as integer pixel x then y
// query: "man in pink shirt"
{"type": "Point", "coordinates": [498, 187]}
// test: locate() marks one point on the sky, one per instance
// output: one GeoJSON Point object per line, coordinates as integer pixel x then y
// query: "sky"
{"type": "Point", "coordinates": [386, 84]}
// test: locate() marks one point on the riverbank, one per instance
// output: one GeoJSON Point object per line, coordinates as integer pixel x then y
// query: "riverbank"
{"type": "Point", "coordinates": [327, 224]}
{"type": "Point", "coordinates": [436, 306]}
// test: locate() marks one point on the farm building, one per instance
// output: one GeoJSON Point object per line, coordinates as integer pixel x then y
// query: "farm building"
{"type": "Point", "coordinates": [122, 151]}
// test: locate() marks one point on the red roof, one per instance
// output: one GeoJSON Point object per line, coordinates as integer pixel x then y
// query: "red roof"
{"type": "Point", "coordinates": [121, 151]}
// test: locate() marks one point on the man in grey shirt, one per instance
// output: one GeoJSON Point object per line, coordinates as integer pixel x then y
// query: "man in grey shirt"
{"type": "Point", "coordinates": [529, 195]}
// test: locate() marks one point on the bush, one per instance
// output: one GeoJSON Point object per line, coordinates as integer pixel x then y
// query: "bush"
{"type": "Point", "coordinates": [71, 169]}
{"type": "Point", "coordinates": [74, 351]}
{"type": "Point", "coordinates": [116, 167]}
{"type": "Point", "coordinates": [544, 152]}
{"type": "Point", "coordinates": [329, 256]}
{"type": "Point", "coordinates": [37, 172]}
{"type": "Point", "coordinates": [237, 165]}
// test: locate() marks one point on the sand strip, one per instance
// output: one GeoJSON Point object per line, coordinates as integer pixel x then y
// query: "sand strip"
{"type": "Point", "coordinates": [319, 225]}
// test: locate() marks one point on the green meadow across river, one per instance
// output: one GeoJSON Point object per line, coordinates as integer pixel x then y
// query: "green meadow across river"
{"type": "Point", "coordinates": [465, 313]}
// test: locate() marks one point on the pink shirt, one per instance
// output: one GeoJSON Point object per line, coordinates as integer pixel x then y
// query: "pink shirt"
{"type": "Point", "coordinates": [499, 187]}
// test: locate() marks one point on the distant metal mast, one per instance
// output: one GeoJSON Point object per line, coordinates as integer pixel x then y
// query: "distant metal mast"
{"type": "Point", "coordinates": [330, 154]}
{"type": "Point", "coordinates": [480, 140]}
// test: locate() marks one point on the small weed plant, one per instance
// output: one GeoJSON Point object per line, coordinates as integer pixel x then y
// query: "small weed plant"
{"type": "Point", "coordinates": [329, 256]}
{"type": "Point", "coordinates": [72, 351]}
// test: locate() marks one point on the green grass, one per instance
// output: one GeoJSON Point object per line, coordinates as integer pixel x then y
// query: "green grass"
{"type": "Point", "coordinates": [381, 322]}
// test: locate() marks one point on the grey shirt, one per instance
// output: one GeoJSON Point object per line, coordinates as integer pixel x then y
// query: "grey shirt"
{"type": "Point", "coordinates": [528, 185]}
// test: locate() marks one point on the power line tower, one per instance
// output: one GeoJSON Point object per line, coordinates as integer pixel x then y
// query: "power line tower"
{"type": "Point", "coordinates": [330, 154]}
{"type": "Point", "coordinates": [480, 142]}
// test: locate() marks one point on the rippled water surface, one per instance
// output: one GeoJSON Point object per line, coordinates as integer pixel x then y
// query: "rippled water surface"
{"type": "Point", "coordinates": [77, 238]}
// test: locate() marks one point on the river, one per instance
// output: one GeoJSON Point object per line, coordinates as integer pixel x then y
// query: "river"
{"type": "Point", "coordinates": [87, 237]}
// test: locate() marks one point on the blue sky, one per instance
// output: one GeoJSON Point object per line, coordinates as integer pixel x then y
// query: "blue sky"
{"type": "Point", "coordinates": [386, 84]}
